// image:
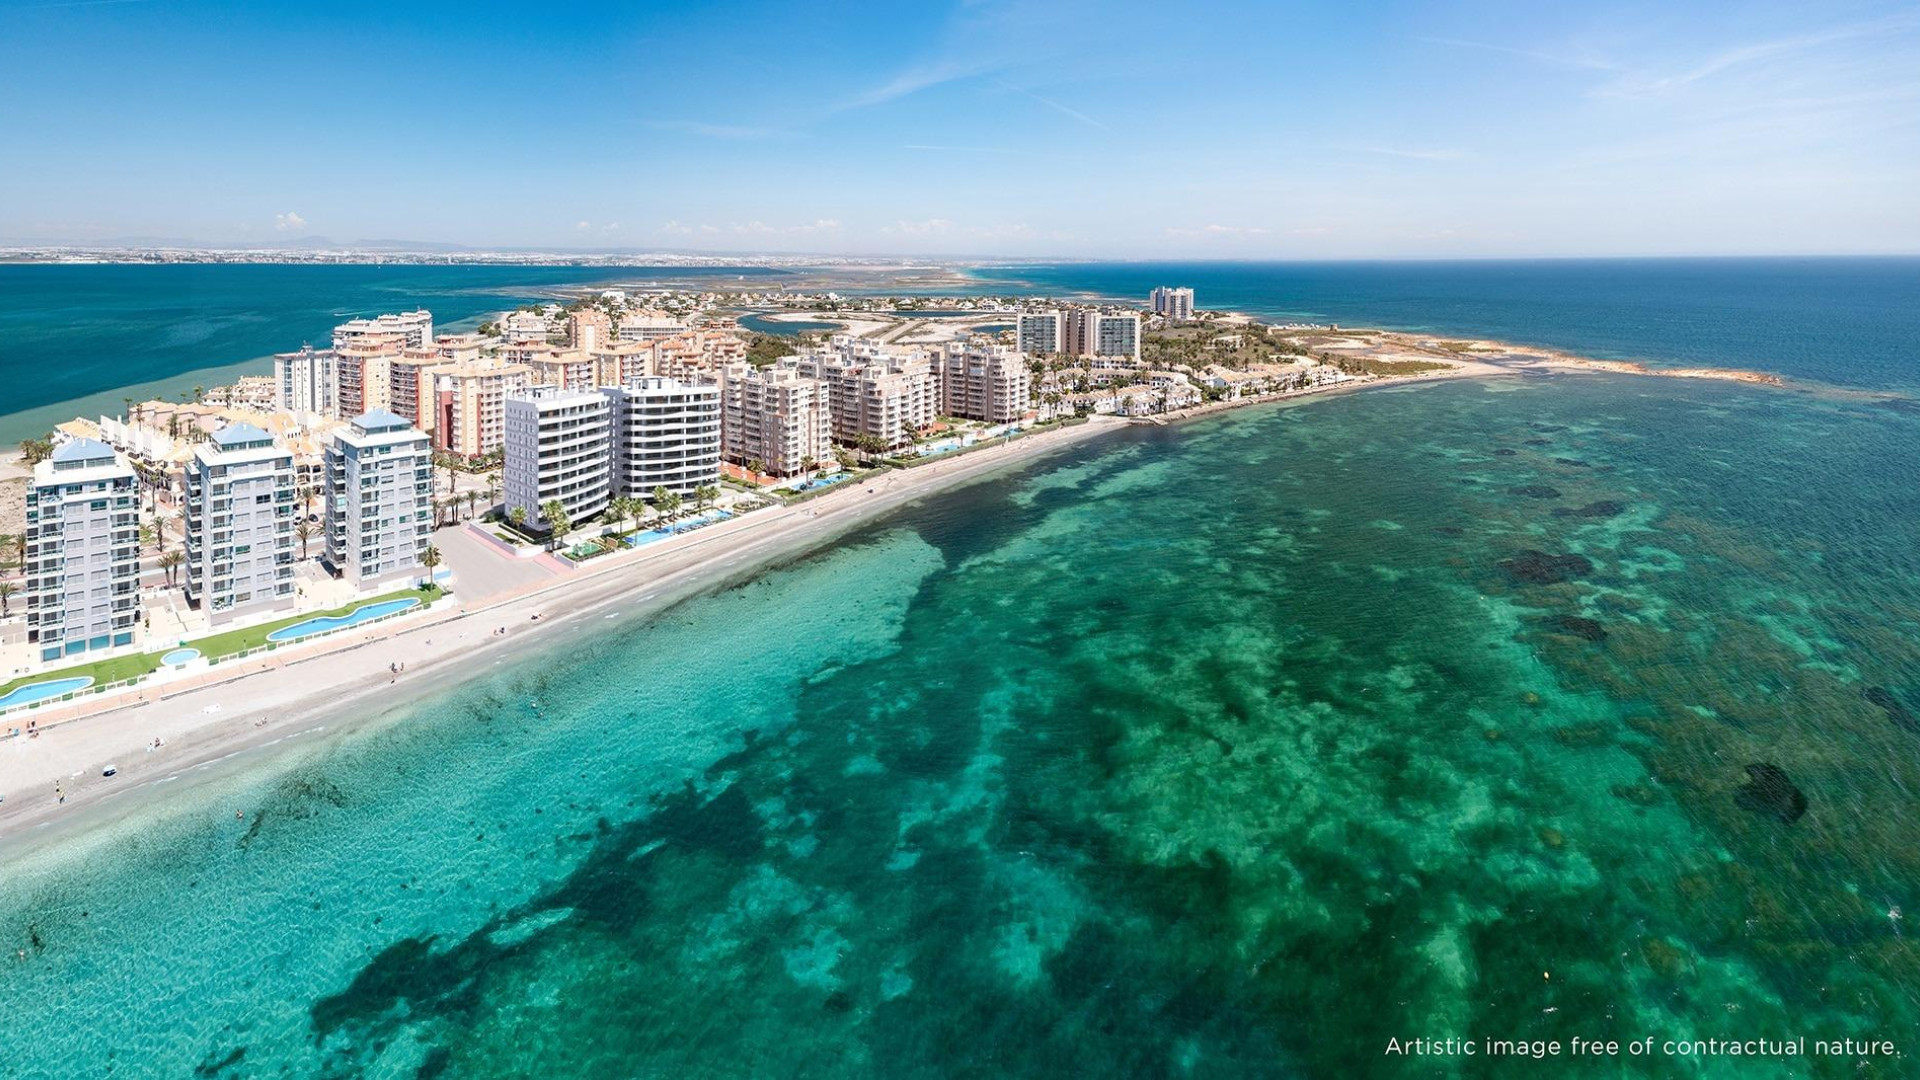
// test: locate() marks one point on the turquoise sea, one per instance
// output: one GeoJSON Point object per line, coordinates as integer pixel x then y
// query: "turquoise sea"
{"type": "Point", "coordinates": [1528, 709]}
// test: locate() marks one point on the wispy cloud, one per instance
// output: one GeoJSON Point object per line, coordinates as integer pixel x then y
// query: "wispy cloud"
{"type": "Point", "coordinates": [1054, 105]}
{"type": "Point", "coordinates": [718, 131]}
{"type": "Point", "coordinates": [913, 80]}
{"type": "Point", "coordinates": [289, 221]}
{"type": "Point", "coordinates": [1648, 84]}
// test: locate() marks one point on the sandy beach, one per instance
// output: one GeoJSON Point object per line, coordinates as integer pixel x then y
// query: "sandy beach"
{"type": "Point", "coordinates": [344, 682]}
{"type": "Point", "coordinates": [153, 734]}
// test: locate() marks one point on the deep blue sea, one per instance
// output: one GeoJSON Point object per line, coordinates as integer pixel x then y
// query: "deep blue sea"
{"type": "Point", "coordinates": [1529, 708]}
{"type": "Point", "coordinates": [1848, 321]}
{"type": "Point", "coordinates": [76, 340]}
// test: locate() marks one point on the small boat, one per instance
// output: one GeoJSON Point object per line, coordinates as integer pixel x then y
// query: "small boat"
{"type": "Point", "coordinates": [109, 770]}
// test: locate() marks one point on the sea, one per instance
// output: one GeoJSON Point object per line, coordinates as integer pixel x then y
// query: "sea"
{"type": "Point", "coordinates": [1534, 709]}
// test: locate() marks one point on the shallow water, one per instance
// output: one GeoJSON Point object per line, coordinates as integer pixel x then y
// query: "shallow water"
{"type": "Point", "coordinates": [1230, 749]}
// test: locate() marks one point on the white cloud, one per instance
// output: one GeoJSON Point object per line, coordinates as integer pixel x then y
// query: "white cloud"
{"type": "Point", "coordinates": [920, 228]}
{"type": "Point", "coordinates": [674, 228]}
{"type": "Point", "coordinates": [289, 221]}
{"type": "Point", "coordinates": [582, 226]}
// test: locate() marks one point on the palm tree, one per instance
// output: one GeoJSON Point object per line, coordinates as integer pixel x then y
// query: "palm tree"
{"type": "Point", "coordinates": [704, 494]}
{"type": "Point", "coordinates": [303, 532]}
{"type": "Point", "coordinates": [756, 467]}
{"type": "Point", "coordinates": [7, 589]}
{"type": "Point", "coordinates": [808, 464]}
{"type": "Point", "coordinates": [199, 394]}
{"type": "Point", "coordinates": [149, 535]}
{"type": "Point", "coordinates": [473, 499]}
{"type": "Point", "coordinates": [430, 558]}
{"type": "Point", "coordinates": [659, 499]}
{"type": "Point", "coordinates": [557, 522]}
{"type": "Point", "coordinates": [170, 560]}
{"type": "Point", "coordinates": [493, 488]}
{"type": "Point", "coordinates": [518, 515]}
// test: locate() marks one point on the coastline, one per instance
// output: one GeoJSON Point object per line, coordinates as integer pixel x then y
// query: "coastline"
{"type": "Point", "coordinates": [207, 722]}
{"type": "Point", "coordinates": [213, 719]}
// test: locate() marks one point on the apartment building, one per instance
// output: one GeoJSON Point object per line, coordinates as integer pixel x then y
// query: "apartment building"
{"type": "Point", "coordinates": [666, 433]}
{"type": "Point", "coordinates": [1091, 332]}
{"type": "Point", "coordinates": [1175, 304]}
{"type": "Point", "coordinates": [588, 329]}
{"type": "Point", "coordinates": [556, 448]}
{"type": "Point", "coordinates": [239, 522]}
{"type": "Point", "coordinates": [83, 551]}
{"type": "Point", "coordinates": [981, 380]}
{"type": "Point", "coordinates": [362, 378]}
{"type": "Point", "coordinates": [873, 393]}
{"type": "Point", "coordinates": [644, 326]}
{"type": "Point", "coordinates": [621, 363]}
{"type": "Point", "coordinates": [303, 381]}
{"type": "Point", "coordinates": [1040, 333]}
{"type": "Point", "coordinates": [410, 329]}
{"type": "Point", "coordinates": [410, 387]}
{"type": "Point", "coordinates": [560, 369]}
{"type": "Point", "coordinates": [379, 498]}
{"type": "Point", "coordinates": [525, 327]}
{"type": "Point", "coordinates": [470, 402]}
{"type": "Point", "coordinates": [775, 416]}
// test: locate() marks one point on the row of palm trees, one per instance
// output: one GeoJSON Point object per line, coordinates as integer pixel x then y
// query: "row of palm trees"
{"type": "Point", "coordinates": [619, 508]}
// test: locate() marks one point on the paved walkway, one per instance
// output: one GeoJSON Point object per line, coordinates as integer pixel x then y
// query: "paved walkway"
{"type": "Point", "coordinates": [482, 571]}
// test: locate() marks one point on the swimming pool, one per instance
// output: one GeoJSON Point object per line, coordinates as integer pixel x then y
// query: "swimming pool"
{"type": "Point", "coordinates": [819, 482]}
{"type": "Point", "coordinates": [326, 624]}
{"type": "Point", "coordinates": [41, 691]}
{"type": "Point", "coordinates": [642, 539]}
{"type": "Point", "coordinates": [180, 656]}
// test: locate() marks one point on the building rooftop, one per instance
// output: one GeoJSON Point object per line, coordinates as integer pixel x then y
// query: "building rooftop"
{"type": "Point", "coordinates": [241, 436]}
{"type": "Point", "coordinates": [381, 420]}
{"type": "Point", "coordinates": [78, 451]}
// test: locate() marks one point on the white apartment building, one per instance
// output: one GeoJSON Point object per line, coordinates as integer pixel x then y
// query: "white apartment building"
{"type": "Point", "coordinates": [83, 551]}
{"type": "Point", "coordinates": [379, 498]}
{"type": "Point", "coordinates": [411, 329]}
{"type": "Point", "coordinates": [1091, 332]}
{"type": "Point", "coordinates": [1175, 304]}
{"type": "Point", "coordinates": [1040, 333]}
{"type": "Point", "coordinates": [775, 416]}
{"type": "Point", "coordinates": [239, 520]}
{"type": "Point", "coordinates": [980, 380]}
{"type": "Point", "coordinates": [666, 433]}
{"type": "Point", "coordinates": [303, 381]}
{"type": "Point", "coordinates": [556, 444]}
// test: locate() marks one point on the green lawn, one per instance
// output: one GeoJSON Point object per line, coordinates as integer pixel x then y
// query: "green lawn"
{"type": "Point", "coordinates": [213, 648]}
{"type": "Point", "coordinates": [103, 671]}
{"type": "Point", "coordinates": [233, 641]}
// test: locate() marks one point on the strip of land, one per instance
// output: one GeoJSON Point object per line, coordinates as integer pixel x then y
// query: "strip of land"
{"type": "Point", "coordinates": [344, 681]}
{"type": "Point", "coordinates": [155, 733]}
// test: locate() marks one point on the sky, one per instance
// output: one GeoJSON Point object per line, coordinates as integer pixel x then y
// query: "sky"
{"type": "Point", "coordinates": [982, 129]}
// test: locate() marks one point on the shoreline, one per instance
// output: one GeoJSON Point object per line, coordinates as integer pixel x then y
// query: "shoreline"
{"type": "Point", "coordinates": [209, 721]}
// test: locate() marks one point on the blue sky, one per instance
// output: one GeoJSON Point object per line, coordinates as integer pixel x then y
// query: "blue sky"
{"type": "Point", "coordinates": [1242, 130]}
